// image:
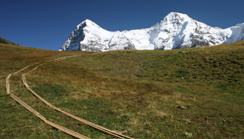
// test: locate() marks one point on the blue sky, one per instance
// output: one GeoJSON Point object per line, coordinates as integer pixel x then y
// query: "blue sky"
{"type": "Point", "coordinates": [48, 23]}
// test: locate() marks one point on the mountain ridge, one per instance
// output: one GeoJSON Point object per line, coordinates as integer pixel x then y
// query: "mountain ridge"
{"type": "Point", "coordinates": [175, 31]}
{"type": "Point", "coordinates": [2, 40]}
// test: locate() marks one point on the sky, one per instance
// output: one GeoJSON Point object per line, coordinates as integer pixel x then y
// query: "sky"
{"type": "Point", "coordinates": [47, 24]}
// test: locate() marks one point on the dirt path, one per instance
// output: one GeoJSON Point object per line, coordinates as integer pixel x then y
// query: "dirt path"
{"type": "Point", "coordinates": [68, 131]}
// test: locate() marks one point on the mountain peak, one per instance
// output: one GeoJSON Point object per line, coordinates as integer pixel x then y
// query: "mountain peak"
{"type": "Point", "coordinates": [176, 30]}
{"type": "Point", "coordinates": [87, 22]}
{"type": "Point", "coordinates": [176, 17]}
{"type": "Point", "coordinates": [176, 14]}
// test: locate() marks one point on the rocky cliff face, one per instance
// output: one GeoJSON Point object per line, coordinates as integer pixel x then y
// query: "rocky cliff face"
{"type": "Point", "coordinates": [120, 41]}
{"type": "Point", "coordinates": [175, 31]}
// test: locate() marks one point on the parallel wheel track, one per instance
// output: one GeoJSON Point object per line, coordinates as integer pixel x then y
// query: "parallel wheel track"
{"type": "Point", "coordinates": [68, 131]}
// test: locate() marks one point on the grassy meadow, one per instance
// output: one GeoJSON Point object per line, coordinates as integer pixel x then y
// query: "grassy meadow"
{"type": "Point", "coordinates": [137, 92]}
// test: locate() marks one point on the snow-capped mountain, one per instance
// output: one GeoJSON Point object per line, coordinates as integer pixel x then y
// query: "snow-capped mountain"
{"type": "Point", "coordinates": [175, 31]}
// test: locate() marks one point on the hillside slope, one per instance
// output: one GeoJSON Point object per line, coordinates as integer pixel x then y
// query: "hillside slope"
{"type": "Point", "coordinates": [135, 92]}
{"type": "Point", "coordinates": [2, 40]}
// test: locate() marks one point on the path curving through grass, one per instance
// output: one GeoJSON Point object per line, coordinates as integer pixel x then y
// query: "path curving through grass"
{"type": "Point", "coordinates": [68, 131]}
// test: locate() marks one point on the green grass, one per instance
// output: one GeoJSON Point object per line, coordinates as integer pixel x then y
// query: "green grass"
{"type": "Point", "coordinates": [134, 91]}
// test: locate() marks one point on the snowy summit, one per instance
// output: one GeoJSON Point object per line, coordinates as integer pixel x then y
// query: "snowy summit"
{"type": "Point", "coordinates": [175, 31]}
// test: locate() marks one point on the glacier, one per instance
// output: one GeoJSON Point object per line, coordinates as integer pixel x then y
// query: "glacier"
{"type": "Point", "coordinates": [175, 31]}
